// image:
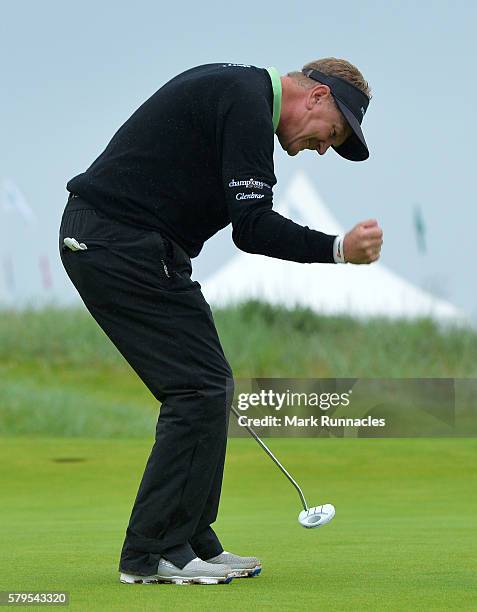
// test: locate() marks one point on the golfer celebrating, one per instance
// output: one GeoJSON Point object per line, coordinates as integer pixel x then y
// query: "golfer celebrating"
{"type": "Point", "coordinates": [196, 156]}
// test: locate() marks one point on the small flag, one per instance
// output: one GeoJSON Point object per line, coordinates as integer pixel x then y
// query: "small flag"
{"type": "Point", "coordinates": [13, 200]}
{"type": "Point", "coordinates": [46, 278]}
{"type": "Point", "coordinates": [420, 229]}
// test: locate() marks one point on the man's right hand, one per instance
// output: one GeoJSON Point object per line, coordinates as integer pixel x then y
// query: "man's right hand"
{"type": "Point", "coordinates": [362, 244]}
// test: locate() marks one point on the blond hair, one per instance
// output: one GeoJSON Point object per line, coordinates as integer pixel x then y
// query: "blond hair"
{"type": "Point", "coordinates": [333, 67]}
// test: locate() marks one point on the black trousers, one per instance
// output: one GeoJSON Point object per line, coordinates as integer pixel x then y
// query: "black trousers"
{"type": "Point", "coordinates": [137, 286]}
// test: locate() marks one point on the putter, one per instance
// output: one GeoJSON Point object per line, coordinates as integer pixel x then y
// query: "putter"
{"type": "Point", "coordinates": [308, 517]}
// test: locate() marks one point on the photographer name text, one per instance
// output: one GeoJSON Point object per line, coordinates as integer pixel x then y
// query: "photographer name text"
{"type": "Point", "coordinates": [312, 421]}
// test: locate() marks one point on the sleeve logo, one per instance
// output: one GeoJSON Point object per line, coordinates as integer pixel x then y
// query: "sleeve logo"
{"type": "Point", "coordinates": [249, 196]}
{"type": "Point", "coordinates": [249, 184]}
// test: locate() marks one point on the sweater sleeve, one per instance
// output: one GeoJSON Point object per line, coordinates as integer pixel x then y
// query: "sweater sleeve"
{"type": "Point", "coordinates": [248, 181]}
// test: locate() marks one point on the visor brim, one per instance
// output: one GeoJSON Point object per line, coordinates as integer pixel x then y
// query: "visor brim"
{"type": "Point", "coordinates": [355, 147]}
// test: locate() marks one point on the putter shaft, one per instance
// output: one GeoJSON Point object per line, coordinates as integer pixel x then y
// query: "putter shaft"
{"type": "Point", "coordinates": [274, 459]}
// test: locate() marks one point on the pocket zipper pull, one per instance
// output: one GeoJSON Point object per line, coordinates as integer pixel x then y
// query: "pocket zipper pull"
{"type": "Point", "coordinates": [165, 268]}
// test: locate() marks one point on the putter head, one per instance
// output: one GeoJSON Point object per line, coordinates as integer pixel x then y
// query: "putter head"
{"type": "Point", "coordinates": [317, 516]}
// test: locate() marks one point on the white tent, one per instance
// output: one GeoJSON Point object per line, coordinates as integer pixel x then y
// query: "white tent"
{"type": "Point", "coordinates": [329, 289]}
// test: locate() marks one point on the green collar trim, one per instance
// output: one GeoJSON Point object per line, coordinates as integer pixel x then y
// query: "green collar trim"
{"type": "Point", "coordinates": [277, 95]}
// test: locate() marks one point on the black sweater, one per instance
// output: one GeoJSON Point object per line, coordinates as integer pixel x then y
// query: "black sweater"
{"type": "Point", "coordinates": [196, 156]}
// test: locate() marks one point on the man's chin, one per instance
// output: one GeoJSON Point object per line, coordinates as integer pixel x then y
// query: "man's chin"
{"type": "Point", "coordinates": [293, 150]}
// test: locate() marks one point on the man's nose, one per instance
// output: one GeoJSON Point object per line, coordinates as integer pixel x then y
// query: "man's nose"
{"type": "Point", "coordinates": [322, 148]}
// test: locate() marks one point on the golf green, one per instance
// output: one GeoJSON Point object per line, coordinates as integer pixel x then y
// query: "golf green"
{"type": "Point", "coordinates": [404, 536]}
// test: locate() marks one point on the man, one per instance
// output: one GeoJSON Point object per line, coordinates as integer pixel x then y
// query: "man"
{"type": "Point", "coordinates": [195, 157]}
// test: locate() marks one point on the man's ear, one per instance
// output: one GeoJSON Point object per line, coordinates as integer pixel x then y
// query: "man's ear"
{"type": "Point", "coordinates": [316, 94]}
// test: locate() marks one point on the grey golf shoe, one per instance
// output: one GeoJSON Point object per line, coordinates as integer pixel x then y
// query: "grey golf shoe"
{"type": "Point", "coordinates": [195, 572]}
{"type": "Point", "coordinates": [242, 567]}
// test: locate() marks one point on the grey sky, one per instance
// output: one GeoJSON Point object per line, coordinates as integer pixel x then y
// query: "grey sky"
{"type": "Point", "coordinates": [73, 72]}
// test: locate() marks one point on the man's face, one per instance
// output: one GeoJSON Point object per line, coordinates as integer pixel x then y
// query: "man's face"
{"type": "Point", "coordinates": [316, 124]}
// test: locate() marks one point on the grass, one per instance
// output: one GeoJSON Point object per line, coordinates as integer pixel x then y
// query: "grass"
{"type": "Point", "coordinates": [60, 374]}
{"type": "Point", "coordinates": [403, 538]}
{"type": "Point", "coordinates": [263, 341]}
{"type": "Point", "coordinates": [101, 402]}
{"type": "Point", "coordinates": [77, 424]}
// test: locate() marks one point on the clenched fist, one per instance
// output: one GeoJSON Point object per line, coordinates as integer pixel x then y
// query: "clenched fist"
{"type": "Point", "coordinates": [362, 244]}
